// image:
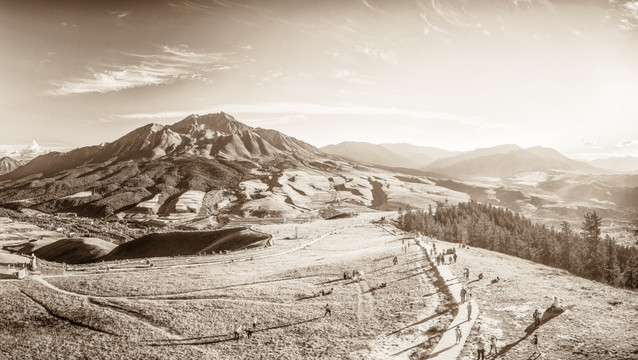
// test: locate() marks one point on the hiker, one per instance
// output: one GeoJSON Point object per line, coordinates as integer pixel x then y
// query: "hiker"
{"type": "Point", "coordinates": [493, 345]}
{"type": "Point", "coordinates": [463, 293]}
{"type": "Point", "coordinates": [537, 318]}
{"type": "Point", "coordinates": [33, 265]}
{"type": "Point", "coordinates": [480, 277]}
{"type": "Point", "coordinates": [328, 311]}
{"type": "Point", "coordinates": [459, 334]}
{"type": "Point", "coordinates": [469, 311]}
{"type": "Point", "coordinates": [237, 329]}
{"type": "Point", "coordinates": [466, 272]}
{"type": "Point", "coordinates": [535, 344]}
{"type": "Point", "coordinates": [555, 308]}
{"type": "Point", "coordinates": [481, 349]}
{"type": "Point", "coordinates": [345, 275]}
{"type": "Point", "coordinates": [254, 322]}
{"type": "Point", "coordinates": [454, 257]}
{"type": "Point", "coordinates": [249, 333]}
{"type": "Point", "coordinates": [395, 260]}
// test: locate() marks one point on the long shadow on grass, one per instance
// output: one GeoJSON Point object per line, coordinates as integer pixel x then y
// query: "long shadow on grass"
{"type": "Point", "coordinates": [409, 276]}
{"type": "Point", "coordinates": [217, 287]}
{"type": "Point", "coordinates": [420, 321]}
{"type": "Point", "coordinates": [407, 349]}
{"type": "Point", "coordinates": [547, 316]}
{"type": "Point", "coordinates": [215, 339]}
{"type": "Point", "coordinates": [440, 351]}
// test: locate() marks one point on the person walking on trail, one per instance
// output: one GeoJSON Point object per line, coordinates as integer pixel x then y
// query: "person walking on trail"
{"type": "Point", "coordinates": [469, 311]}
{"type": "Point", "coordinates": [535, 344]}
{"type": "Point", "coordinates": [395, 260]}
{"type": "Point", "coordinates": [537, 318]}
{"type": "Point", "coordinates": [254, 322]}
{"type": "Point", "coordinates": [463, 293]}
{"type": "Point", "coordinates": [328, 311]}
{"type": "Point", "coordinates": [480, 349]}
{"type": "Point", "coordinates": [493, 345]}
{"type": "Point", "coordinates": [459, 334]}
{"type": "Point", "coordinates": [454, 257]}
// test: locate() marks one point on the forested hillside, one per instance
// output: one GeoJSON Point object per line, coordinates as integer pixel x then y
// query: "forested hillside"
{"type": "Point", "coordinates": [585, 253]}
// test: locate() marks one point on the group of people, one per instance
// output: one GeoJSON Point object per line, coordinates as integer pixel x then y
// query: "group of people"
{"type": "Point", "coordinates": [440, 258]}
{"type": "Point", "coordinates": [237, 329]}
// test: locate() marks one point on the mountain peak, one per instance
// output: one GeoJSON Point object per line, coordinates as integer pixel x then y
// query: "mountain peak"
{"type": "Point", "coordinates": [217, 122]}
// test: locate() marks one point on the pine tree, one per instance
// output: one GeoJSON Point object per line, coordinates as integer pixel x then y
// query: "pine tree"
{"type": "Point", "coordinates": [591, 234]}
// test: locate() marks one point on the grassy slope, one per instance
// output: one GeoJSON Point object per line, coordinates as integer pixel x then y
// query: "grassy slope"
{"type": "Point", "coordinates": [600, 320]}
{"type": "Point", "coordinates": [195, 320]}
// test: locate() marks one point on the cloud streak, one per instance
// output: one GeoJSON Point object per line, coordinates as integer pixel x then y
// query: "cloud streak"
{"type": "Point", "coordinates": [308, 109]}
{"type": "Point", "coordinates": [171, 64]}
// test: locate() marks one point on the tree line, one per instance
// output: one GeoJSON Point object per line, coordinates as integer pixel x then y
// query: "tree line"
{"type": "Point", "coordinates": [585, 253]}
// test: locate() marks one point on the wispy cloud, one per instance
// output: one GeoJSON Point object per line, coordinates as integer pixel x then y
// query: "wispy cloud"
{"type": "Point", "coordinates": [629, 15]}
{"type": "Point", "coordinates": [628, 143]}
{"type": "Point", "coordinates": [351, 77]}
{"type": "Point", "coordinates": [308, 109]}
{"type": "Point", "coordinates": [377, 53]}
{"type": "Point", "coordinates": [152, 69]}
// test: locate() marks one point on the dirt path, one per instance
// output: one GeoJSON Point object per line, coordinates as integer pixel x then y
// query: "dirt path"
{"type": "Point", "coordinates": [447, 349]}
{"type": "Point", "coordinates": [396, 345]}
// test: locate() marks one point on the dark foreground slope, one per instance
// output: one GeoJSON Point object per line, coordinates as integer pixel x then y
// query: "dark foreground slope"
{"type": "Point", "coordinates": [75, 251]}
{"type": "Point", "coordinates": [187, 243]}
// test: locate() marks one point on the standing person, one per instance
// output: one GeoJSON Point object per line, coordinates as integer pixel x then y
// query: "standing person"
{"type": "Point", "coordinates": [459, 334]}
{"type": "Point", "coordinates": [454, 256]}
{"type": "Point", "coordinates": [469, 311]}
{"type": "Point", "coordinates": [254, 322]}
{"type": "Point", "coordinates": [237, 329]}
{"type": "Point", "coordinates": [481, 349]}
{"type": "Point", "coordinates": [537, 319]}
{"type": "Point", "coordinates": [463, 293]}
{"type": "Point", "coordinates": [328, 311]}
{"type": "Point", "coordinates": [535, 344]}
{"type": "Point", "coordinates": [395, 260]}
{"type": "Point", "coordinates": [493, 345]}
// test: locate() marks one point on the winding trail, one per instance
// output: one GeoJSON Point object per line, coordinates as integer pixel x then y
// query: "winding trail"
{"type": "Point", "coordinates": [447, 349]}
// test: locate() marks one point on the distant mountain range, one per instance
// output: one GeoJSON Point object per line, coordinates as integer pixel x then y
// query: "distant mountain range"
{"type": "Point", "coordinates": [214, 165]}
{"type": "Point", "coordinates": [391, 155]}
{"type": "Point", "coordinates": [499, 161]}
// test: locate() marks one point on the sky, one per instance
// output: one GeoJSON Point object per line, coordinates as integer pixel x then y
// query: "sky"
{"type": "Point", "coordinates": [459, 74]}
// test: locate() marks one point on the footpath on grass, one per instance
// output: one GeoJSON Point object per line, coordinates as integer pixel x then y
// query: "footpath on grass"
{"type": "Point", "coordinates": [447, 348]}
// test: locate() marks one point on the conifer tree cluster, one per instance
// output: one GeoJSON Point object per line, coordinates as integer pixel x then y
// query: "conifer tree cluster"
{"type": "Point", "coordinates": [585, 253]}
